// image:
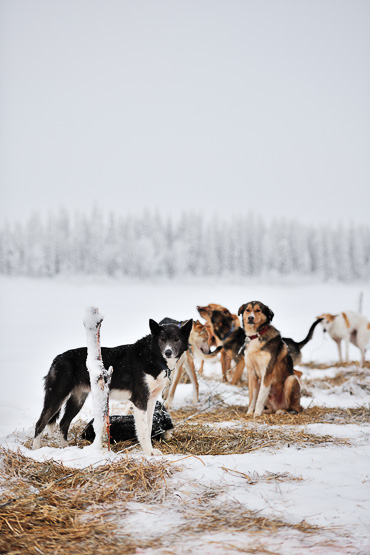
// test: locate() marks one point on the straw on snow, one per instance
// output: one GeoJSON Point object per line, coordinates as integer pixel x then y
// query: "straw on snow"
{"type": "Point", "coordinates": [54, 509]}
{"type": "Point", "coordinates": [48, 508]}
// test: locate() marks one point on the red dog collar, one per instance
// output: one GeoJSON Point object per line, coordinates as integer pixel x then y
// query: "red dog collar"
{"type": "Point", "coordinates": [258, 334]}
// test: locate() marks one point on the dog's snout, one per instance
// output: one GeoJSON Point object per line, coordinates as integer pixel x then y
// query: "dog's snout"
{"type": "Point", "coordinates": [250, 318]}
{"type": "Point", "coordinates": [168, 353]}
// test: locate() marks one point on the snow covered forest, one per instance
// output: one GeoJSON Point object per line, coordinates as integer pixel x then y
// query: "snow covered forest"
{"type": "Point", "coordinates": [148, 246]}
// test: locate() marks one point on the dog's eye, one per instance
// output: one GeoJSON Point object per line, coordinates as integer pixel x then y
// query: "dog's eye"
{"type": "Point", "coordinates": [257, 311]}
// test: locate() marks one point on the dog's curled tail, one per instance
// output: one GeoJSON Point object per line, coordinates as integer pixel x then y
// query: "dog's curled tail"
{"type": "Point", "coordinates": [213, 353]}
{"type": "Point", "coordinates": [308, 338]}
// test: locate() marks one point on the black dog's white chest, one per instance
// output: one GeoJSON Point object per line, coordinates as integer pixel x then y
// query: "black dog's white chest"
{"type": "Point", "coordinates": [156, 385]}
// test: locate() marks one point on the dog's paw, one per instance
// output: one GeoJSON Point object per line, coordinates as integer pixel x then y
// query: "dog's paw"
{"type": "Point", "coordinates": [62, 442]}
{"type": "Point", "coordinates": [280, 411]}
{"type": "Point", "coordinates": [154, 453]}
{"type": "Point", "coordinates": [37, 442]}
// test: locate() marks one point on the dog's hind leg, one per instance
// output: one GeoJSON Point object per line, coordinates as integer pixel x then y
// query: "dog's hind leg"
{"type": "Point", "coordinates": [57, 389]}
{"type": "Point", "coordinates": [292, 394]}
{"type": "Point", "coordinates": [51, 426]}
{"type": "Point", "coordinates": [72, 408]}
{"type": "Point", "coordinates": [190, 369]}
{"type": "Point", "coordinates": [363, 354]}
{"type": "Point", "coordinates": [346, 341]}
{"type": "Point", "coordinates": [49, 414]}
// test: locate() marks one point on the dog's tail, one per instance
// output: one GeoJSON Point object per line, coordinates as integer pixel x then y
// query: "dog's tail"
{"type": "Point", "coordinates": [209, 355]}
{"type": "Point", "coordinates": [308, 338]}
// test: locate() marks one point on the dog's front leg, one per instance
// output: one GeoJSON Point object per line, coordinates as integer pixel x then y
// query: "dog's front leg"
{"type": "Point", "coordinates": [339, 345]}
{"type": "Point", "coordinates": [150, 411]}
{"type": "Point", "coordinates": [190, 369]}
{"type": "Point", "coordinates": [225, 365]}
{"type": "Point", "coordinates": [174, 383]}
{"type": "Point", "coordinates": [253, 386]}
{"type": "Point", "coordinates": [142, 431]}
{"type": "Point", "coordinates": [262, 397]}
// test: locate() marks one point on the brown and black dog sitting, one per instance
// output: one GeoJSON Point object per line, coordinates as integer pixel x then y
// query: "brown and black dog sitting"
{"type": "Point", "coordinates": [234, 343]}
{"type": "Point", "coordinates": [206, 313]}
{"type": "Point", "coordinates": [273, 385]}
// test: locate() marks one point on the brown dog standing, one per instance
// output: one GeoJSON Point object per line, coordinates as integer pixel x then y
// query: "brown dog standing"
{"type": "Point", "coordinates": [206, 313]}
{"type": "Point", "coordinates": [233, 339]}
{"type": "Point", "coordinates": [272, 382]}
{"type": "Point", "coordinates": [198, 347]}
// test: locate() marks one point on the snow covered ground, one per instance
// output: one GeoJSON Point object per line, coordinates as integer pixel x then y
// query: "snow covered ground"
{"type": "Point", "coordinates": [329, 485]}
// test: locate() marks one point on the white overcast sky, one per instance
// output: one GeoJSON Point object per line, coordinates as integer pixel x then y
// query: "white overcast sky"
{"type": "Point", "coordinates": [215, 106]}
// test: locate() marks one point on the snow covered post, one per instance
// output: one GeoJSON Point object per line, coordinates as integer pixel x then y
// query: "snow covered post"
{"type": "Point", "coordinates": [100, 378]}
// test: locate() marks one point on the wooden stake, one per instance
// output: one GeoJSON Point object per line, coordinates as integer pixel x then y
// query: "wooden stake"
{"type": "Point", "coordinates": [100, 378]}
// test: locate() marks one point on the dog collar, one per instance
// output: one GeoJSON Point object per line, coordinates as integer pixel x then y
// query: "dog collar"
{"type": "Point", "coordinates": [164, 367]}
{"type": "Point", "coordinates": [168, 372]}
{"type": "Point", "coordinates": [249, 338]}
{"type": "Point", "coordinates": [257, 335]}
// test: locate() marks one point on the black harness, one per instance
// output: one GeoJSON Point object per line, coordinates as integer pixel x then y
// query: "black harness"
{"type": "Point", "coordinates": [229, 332]}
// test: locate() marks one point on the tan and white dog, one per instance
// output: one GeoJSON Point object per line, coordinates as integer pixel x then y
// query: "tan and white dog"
{"type": "Point", "coordinates": [198, 348]}
{"type": "Point", "coordinates": [350, 327]}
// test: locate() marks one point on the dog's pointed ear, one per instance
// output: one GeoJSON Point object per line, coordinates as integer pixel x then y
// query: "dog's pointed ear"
{"type": "Point", "coordinates": [270, 315]}
{"type": "Point", "coordinates": [242, 308]}
{"type": "Point", "coordinates": [186, 328]}
{"type": "Point", "coordinates": [202, 311]}
{"type": "Point", "coordinates": [154, 327]}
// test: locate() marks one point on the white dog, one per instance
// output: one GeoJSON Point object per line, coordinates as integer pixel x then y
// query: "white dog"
{"type": "Point", "coordinates": [348, 326]}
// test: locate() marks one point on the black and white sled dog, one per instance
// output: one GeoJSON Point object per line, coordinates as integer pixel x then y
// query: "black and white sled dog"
{"type": "Point", "coordinates": [140, 372]}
